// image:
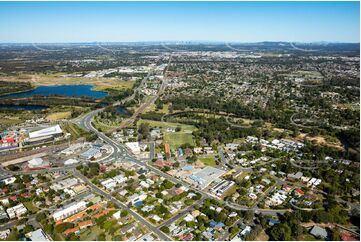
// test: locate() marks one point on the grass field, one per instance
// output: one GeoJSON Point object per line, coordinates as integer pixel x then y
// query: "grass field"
{"type": "Point", "coordinates": [165, 125]}
{"type": "Point", "coordinates": [208, 160]}
{"type": "Point", "coordinates": [30, 206]}
{"type": "Point", "coordinates": [106, 127]}
{"type": "Point", "coordinates": [241, 176]}
{"type": "Point", "coordinates": [175, 140]}
{"type": "Point", "coordinates": [61, 79]}
{"type": "Point", "coordinates": [58, 116]}
{"type": "Point", "coordinates": [91, 234]}
{"type": "Point", "coordinates": [152, 108]}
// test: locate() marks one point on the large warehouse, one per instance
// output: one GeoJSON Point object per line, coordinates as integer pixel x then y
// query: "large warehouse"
{"type": "Point", "coordinates": [44, 135]}
{"type": "Point", "coordinates": [54, 130]}
{"type": "Point", "coordinates": [206, 176]}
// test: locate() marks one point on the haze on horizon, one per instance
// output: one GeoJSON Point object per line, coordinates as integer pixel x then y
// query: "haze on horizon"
{"type": "Point", "coordinates": [74, 22]}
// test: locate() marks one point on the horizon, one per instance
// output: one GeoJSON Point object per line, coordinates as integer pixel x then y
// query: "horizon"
{"type": "Point", "coordinates": [226, 22]}
{"type": "Point", "coordinates": [186, 42]}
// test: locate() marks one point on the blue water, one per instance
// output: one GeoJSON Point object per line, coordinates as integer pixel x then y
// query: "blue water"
{"type": "Point", "coordinates": [122, 110]}
{"type": "Point", "coordinates": [24, 107]}
{"type": "Point", "coordinates": [61, 90]}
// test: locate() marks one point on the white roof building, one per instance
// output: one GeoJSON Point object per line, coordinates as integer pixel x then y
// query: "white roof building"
{"type": "Point", "coordinates": [39, 235]}
{"type": "Point", "coordinates": [70, 162]}
{"type": "Point", "coordinates": [109, 184]}
{"type": "Point", "coordinates": [69, 210]}
{"type": "Point", "coordinates": [9, 180]}
{"type": "Point", "coordinates": [45, 132]}
{"type": "Point", "coordinates": [4, 234]}
{"type": "Point", "coordinates": [134, 147]}
{"type": "Point", "coordinates": [16, 211]}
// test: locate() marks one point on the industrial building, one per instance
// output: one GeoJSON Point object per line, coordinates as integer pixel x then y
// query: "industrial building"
{"type": "Point", "coordinates": [38, 163]}
{"type": "Point", "coordinates": [54, 130]}
{"type": "Point", "coordinates": [206, 176]}
{"type": "Point", "coordinates": [91, 153]}
{"type": "Point", "coordinates": [221, 187]}
{"type": "Point", "coordinates": [44, 135]}
{"type": "Point", "coordinates": [39, 235]}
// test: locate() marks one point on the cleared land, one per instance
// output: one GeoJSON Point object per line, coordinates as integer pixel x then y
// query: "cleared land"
{"type": "Point", "coordinates": [165, 125]}
{"type": "Point", "coordinates": [175, 140]}
{"type": "Point", "coordinates": [58, 116]}
{"type": "Point", "coordinates": [208, 160]}
{"type": "Point", "coordinates": [100, 84]}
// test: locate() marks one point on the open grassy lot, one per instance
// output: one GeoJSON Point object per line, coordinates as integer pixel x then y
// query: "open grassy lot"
{"type": "Point", "coordinates": [30, 206]}
{"type": "Point", "coordinates": [152, 108]}
{"type": "Point", "coordinates": [208, 160]}
{"type": "Point", "coordinates": [177, 139]}
{"type": "Point", "coordinates": [58, 116]}
{"type": "Point", "coordinates": [62, 79]}
{"type": "Point", "coordinates": [241, 176]}
{"type": "Point", "coordinates": [90, 234]}
{"type": "Point", "coordinates": [165, 125]}
{"type": "Point", "coordinates": [105, 127]}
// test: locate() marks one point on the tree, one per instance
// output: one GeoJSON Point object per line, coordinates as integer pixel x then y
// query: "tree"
{"type": "Point", "coordinates": [165, 229]}
{"type": "Point", "coordinates": [280, 232]}
{"type": "Point", "coordinates": [124, 213]}
{"type": "Point", "coordinates": [336, 235]}
{"type": "Point", "coordinates": [60, 228]}
{"type": "Point", "coordinates": [40, 216]}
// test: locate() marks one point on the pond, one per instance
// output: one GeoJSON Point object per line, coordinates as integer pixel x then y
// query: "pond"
{"type": "Point", "coordinates": [60, 90]}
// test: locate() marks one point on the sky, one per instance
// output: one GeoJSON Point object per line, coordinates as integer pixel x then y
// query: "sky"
{"type": "Point", "coordinates": [61, 22]}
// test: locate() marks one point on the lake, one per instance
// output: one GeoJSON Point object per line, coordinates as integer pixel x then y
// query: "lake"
{"type": "Point", "coordinates": [61, 90]}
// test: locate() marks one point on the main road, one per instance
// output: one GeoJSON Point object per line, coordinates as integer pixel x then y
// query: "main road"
{"type": "Point", "coordinates": [120, 150]}
{"type": "Point", "coordinates": [96, 189]}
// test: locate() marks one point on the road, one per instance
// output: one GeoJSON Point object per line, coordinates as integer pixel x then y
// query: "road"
{"type": "Point", "coordinates": [181, 213]}
{"type": "Point", "coordinates": [119, 204]}
{"type": "Point", "coordinates": [126, 154]}
{"type": "Point", "coordinates": [150, 101]}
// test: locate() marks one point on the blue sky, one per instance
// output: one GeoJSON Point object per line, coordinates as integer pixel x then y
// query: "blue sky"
{"type": "Point", "coordinates": [30, 22]}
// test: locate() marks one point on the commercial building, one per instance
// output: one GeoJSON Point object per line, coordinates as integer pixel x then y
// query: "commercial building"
{"type": "Point", "coordinates": [91, 153]}
{"type": "Point", "coordinates": [63, 184]}
{"type": "Point", "coordinates": [43, 135]}
{"type": "Point", "coordinates": [38, 163]}
{"type": "Point", "coordinates": [206, 176]}
{"type": "Point", "coordinates": [53, 131]}
{"type": "Point", "coordinates": [70, 162]}
{"type": "Point", "coordinates": [39, 235]}
{"type": "Point", "coordinates": [8, 143]}
{"type": "Point", "coordinates": [221, 187]}
{"type": "Point", "coordinates": [134, 147]}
